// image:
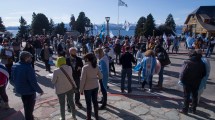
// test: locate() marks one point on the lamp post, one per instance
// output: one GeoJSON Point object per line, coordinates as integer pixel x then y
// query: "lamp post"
{"type": "Point", "coordinates": [143, 28]}
{"type": "Point", "coordinates": [153, 33]}
{"type": "Point", "coordinates": [44, 31]}
{"type": "Point", "coordinates": [107, 19]}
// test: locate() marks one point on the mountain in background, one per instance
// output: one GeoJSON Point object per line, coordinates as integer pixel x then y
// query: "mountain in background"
{"type": "Point", "coordinates": [113, 27]}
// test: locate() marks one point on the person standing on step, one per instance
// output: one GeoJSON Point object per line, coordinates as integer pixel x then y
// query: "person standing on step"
{"type": "Point", "coordinates": [76, 64]}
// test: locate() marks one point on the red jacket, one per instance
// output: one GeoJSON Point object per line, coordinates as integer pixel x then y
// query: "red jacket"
{"type": "Point", "coordinates": [3, 79]}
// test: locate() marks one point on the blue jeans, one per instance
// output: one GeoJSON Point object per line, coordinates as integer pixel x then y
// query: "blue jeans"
{"type": "Point", "coordinates": [209, 51]}
{"type": "Point", "coordinates": [126, 72]}
{"type": "Point", "coordinates": [91, 95]}
{"type": "Point", "coordinates": [104, 93]}
{"type": "Point", "coordinates": [37, 55]}
{"type": "Point", "coordinates": [160, 81]}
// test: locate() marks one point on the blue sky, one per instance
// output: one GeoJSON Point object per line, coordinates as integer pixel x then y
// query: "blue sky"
{"type": "Point", "coordinates": [97, 10]}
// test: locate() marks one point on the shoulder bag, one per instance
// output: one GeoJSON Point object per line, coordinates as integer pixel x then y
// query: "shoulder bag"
{"type": "Point", "coordinates": [73, 86]}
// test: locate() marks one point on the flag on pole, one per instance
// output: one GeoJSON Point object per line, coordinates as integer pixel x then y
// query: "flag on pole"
{"type": "Point", "coordinates": [121, 3]}
{"type": "Point", "coordinates": [102, 31]}
{"type": "Point", "coordinates": [126, 26]}
{"type": "Point", "coordinates": [111, 34]}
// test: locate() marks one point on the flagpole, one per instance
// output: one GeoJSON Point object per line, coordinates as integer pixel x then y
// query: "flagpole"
{"type": "Point", "coordinates": [118, 20]}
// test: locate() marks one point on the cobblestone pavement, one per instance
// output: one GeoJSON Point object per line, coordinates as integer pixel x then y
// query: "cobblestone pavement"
{"type": "Point", "coordinates": [138, 105]}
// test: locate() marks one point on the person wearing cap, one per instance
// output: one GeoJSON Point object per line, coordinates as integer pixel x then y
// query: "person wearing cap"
{"type": "Point", "coordinates": [25, 83]}
{"type": "Point", "coordinates": [63, 86]}
{"type": "Point", "coordinates": [193, 71]}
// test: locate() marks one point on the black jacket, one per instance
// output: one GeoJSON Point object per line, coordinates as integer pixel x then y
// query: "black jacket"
{"type": "Point", "coordinates": [78, 64]}
{"type": "Point", "coordinates": [117, 48]}
{"type": "Point", "coordinates": [193, 71]}
{"type": "Point", "coordinates": [126, 60]}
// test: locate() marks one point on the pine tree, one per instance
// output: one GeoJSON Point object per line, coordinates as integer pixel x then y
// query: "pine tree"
{"type": "Point", "coordinates": [51, 26]}
{"type": "Point", "coordinates": [82, 22]}
{"type": "Point", "coordinates": [170, 24]}
{"type": "Point", "coordinates": [23, 30]}
{"type": "Point", "coordinates": [72, 22]}
{"type": "Point", "coordinates": [39, 22]}
{"type": "Point", "coordinates": [139, 27]}
{"type": "Point", "coordinates": [2, 27]}
{"type": "Point", "coordinates": [60, 29]}
{"type": "Point", "coordinates": [149, 26]}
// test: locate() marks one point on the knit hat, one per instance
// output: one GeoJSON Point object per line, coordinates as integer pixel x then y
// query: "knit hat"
{"type": "Point", "coordinates": [60, 61]}
{"type": "Point", "coordinates": [23, 55]}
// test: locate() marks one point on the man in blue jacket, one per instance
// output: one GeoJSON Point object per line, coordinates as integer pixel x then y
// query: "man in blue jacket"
{"type": "Point", "coordinates": [25, 83]}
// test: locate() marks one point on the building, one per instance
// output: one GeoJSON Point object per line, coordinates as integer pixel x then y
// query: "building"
{"type": "Point", "coordinates": [201, 21]}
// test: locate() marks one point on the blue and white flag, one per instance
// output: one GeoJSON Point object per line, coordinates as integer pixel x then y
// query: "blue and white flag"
{"type": "Point", "coordinates": [111, 34]}
{"type": "Point", "coordinates": [102, 31]}
{"type": "Point", "coordinates": [121, 3]}
{"type": "Point", "coordinates": [126, 26]}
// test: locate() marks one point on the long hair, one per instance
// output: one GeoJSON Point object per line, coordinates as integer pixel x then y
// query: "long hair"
{"type": "Point", "coordinates": [92, 59]}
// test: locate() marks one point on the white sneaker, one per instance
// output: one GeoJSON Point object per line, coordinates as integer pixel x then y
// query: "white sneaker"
{"type": "Point", "coordinates": [150, 90]}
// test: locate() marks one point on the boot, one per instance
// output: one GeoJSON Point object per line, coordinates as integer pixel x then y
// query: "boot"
{"type": "Point", "coordinates": [159, 86]}
{"type": "Point", "coordinates": [88, 115]}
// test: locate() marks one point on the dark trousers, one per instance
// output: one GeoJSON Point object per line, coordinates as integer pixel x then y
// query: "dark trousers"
{"type": "Point", "coordinates": [28, 103]}
{"type": "Point", "coordinates": [91, 95]}
{"type": "Point", "coordinates": [126, 72]}
{"type": "Point", "coordinates": [160, 79]}
{"type": "Point", "coordinates": [104, 93]}
{"type": "Point", "coordinates": [3, 94]}
{"type": "Point", "coordinates": [118, 55]}
{"type": "Point", "coordinates": [188, 89]}
{"type": "Point", "coordinates": [111, 65]}
{"type": "Point", "coordinates": [149, 82]}
{"type": "Point", "coordinates": [47, 65]}
{"type": "Point", "coordinates": [9, 66]}
{"type": "Point", "coordinates": [77, 95]}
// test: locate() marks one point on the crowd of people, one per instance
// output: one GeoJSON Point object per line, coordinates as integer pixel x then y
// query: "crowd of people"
{"type": "Point", "coordinates": [76, 75]}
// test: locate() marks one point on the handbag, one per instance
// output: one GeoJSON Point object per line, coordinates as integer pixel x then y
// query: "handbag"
{"type": "Point", "coordinates": [73, 86]}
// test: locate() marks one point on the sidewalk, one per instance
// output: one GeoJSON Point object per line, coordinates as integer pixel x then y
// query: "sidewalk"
{"type": "Point", "coordinates": [125, 107]}
{"type": "Point", "coordinates": [138, 105]}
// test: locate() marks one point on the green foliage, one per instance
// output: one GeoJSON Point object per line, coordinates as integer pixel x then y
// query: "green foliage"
{"type": "Point", "coordinates": [2, 27]}
{"type": "Point", "coordinates": [51, 26]}
{"type": "Point", "coordinates": [149, 26]}
{"type": "Point", "coordinates": [168, 27]}
{"type": "Point", "coordinates": [23, 28]}
{"type": "Point", "coordinates": [139, 26]}
{"type": "Point", "coordinates": [60, 29]}
{"type": "Point", "coordinates": [82, 22]}
{"type": "Point", "coordinates": [39, 22]}
{"type": "Point", "coordinates": [170, 24]}
{"type": "Point", "coordinates": [72, 22]}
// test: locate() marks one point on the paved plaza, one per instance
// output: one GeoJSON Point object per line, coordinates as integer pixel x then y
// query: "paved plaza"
{"type": "Point", "coordinates": [138, 105]}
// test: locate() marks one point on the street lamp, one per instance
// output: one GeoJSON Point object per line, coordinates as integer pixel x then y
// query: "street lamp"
{"type": "Point", "coordinates": [107, 19]}
{"type": "Point", "coordinates": [44, 31]}
{"type": "Point", "coordinates": [153, 33]}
